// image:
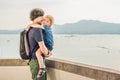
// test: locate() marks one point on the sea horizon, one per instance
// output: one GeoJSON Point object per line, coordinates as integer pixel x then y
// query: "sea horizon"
{"type": "Point", "coordinates": [98, 50]}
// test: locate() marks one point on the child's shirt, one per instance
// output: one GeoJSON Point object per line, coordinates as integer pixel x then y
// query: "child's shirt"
{"type": "Point", "coordinates": [48, 39]}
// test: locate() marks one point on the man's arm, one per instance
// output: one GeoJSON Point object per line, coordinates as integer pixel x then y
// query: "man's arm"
{"type": "Point", "coordinates": [39, 39]}
{"type": "Point", "coordinates": [44, 50]}
{"type": "Point", "coordinates": [43, 47]}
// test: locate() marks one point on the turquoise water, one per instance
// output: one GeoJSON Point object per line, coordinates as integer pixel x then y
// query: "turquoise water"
{"type": "Point", "coordinates": [99, 50]}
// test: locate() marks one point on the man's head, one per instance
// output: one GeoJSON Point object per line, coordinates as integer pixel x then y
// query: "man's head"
{"type": "Point", "coordinates": [36, 15]}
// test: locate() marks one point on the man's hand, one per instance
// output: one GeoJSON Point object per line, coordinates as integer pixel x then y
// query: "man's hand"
{"type": "Point", "coordinates": [49, 54]}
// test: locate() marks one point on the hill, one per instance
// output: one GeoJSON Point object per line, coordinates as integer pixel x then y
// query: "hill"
{"type": "Point", "coordinates": [80, 27]}
{"type": "Point", "coordinates": [87, 27]}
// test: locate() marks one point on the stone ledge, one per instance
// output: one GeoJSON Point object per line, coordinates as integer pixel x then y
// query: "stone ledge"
{"type": "Point", "coordinates": [94, 72]}
{"type": "Point", "coordinates": [13, 62]}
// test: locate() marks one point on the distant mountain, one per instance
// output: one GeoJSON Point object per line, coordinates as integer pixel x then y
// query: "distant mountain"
{"type": "Point", "coordinates": [80, 27]}
{"type": "Point", "coordinates": [10, 31]}
{"type": "Point", "coordinates": [87, 27]}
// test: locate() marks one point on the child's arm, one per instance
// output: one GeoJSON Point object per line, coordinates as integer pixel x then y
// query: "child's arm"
{"type": "Point", "coordinates": [34, 25]}
{"type": "Point", "coordinates": [37, 26]}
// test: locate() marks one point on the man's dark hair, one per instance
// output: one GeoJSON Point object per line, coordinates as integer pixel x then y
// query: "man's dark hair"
{"type": "Point", "coordinates": [36, 13]}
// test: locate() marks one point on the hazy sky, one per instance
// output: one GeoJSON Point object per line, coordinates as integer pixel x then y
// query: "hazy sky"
{"type": "Point", "coordinates": [14, 14]}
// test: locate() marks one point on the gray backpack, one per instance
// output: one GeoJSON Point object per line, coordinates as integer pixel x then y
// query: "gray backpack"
{"type": "Point", "coordinates": [24, 46]}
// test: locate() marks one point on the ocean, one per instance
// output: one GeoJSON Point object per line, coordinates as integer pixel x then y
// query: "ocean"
{"type": "Point", "coordinates": [98, 50]}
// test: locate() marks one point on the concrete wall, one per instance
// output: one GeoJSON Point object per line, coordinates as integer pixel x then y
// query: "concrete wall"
{"type": "Point", "coordinates": [88, 71]}
{"type": "Point", "coordinates": [58, 69]}
{"type": "Point", "coordinates": [56, 74]}
{"type": "Point", "coordinates": [15, 73]}
{"type": "Point", "coordinates": [23, 73]}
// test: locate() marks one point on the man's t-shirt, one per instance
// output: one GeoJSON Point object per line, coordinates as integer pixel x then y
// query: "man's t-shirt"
{"type": "Point", "coordinates": [34, 36]}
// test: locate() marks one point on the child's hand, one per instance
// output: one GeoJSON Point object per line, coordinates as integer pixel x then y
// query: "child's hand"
{"type": "Point", "coordinates": [27, 28]}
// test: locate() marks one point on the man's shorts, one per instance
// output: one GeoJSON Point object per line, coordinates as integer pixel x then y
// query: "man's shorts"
{"type": "Point", "coordinates": [34, 68]}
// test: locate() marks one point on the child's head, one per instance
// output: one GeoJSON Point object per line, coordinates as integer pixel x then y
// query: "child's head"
{"type": "Point", "coordinates": [48, 20]}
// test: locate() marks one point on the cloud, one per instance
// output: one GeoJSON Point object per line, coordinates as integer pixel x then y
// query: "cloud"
{"type": "Point", "coordinates": [64, 11]}
{"type": "Point", "coordinates": [16, 12]}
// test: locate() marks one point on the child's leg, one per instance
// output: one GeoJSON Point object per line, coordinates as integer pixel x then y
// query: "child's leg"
{"type": "Point", "coordinates": [39, 58]}
{"type": "Point", "coordinates": [41, 63]}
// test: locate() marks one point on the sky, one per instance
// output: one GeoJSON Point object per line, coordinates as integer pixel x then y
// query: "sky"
{"type": "Point", "coordinates": [14, 14]}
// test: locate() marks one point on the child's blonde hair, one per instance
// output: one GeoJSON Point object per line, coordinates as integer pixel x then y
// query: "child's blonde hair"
{"type": "Point", "coordinates": [50, 18]}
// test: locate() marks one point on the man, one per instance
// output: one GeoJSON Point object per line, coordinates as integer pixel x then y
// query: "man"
{"type": "Point", "coordinates": [35, 38]}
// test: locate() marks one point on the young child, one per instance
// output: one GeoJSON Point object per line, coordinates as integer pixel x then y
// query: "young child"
{"type": "Point", "coordinates": [47, 23]}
